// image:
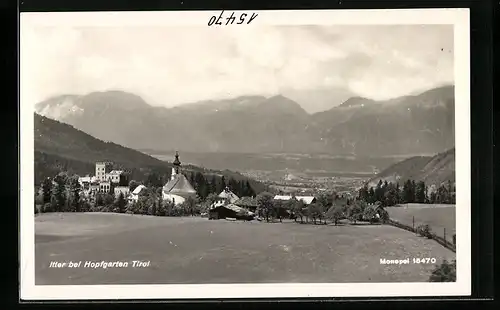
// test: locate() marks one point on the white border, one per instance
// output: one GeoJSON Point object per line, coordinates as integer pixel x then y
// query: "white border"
{"type": "Point", "coordinates": [458, 17]}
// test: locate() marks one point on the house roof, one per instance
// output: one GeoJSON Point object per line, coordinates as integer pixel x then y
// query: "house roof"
{"type": "Point", "coordinates": [116, 172]}
{"type": "Point", "coordinates": [227, 194]}
{"type": "Point", "coordinates": [138, 189]}
{"type": "Point", "coordinates": [231, 207]}
{"type": "Point", "coordinates": [246, 202]}
{"type": "Point", "coordinates": [179, 185]}
{"type": "Point", "coordinates": [306, 199]}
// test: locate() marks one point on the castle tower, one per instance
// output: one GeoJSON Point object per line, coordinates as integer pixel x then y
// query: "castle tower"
{"type": "Point", "coordinates": [101, 170]}
{"type": "Point", "coordinates": [176, 167]}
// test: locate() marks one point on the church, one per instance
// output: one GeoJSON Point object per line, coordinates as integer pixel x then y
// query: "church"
{"type": "Point", "coordinates": [178, 189]}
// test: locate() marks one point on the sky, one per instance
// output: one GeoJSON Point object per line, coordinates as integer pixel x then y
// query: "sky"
{"type": "Point", "coordinates": [172, 65]}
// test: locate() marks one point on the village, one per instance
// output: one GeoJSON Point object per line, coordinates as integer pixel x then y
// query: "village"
{"type": "Point", "coordinates": [183, 199]}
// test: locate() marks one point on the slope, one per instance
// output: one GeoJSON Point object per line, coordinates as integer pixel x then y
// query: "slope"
{"type": "Point", "coordinates": [433, 170]}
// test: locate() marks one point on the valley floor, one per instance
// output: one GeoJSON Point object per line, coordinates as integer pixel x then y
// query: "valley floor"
{"type": "Point", "coordinates": [197, 250]}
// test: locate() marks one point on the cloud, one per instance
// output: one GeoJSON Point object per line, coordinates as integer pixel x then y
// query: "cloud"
{"type": "Point", "coordinates": [174, 65]}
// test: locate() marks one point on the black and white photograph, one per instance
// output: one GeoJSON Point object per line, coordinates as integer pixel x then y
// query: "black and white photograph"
{"type": "Point", "coordinates": [242, 154]}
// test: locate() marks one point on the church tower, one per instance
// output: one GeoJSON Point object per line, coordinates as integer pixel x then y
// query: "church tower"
{"type": "Point", "coordinates": [176, 167]}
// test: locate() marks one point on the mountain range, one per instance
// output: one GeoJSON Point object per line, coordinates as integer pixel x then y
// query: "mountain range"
{"type": "Point", "coordinates": [414, 124]}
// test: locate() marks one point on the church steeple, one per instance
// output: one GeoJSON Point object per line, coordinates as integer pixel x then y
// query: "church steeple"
{"type": "Point", "coordinates": [177, 165]}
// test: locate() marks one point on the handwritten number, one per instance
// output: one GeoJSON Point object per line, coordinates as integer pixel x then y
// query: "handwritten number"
{"type": "Point", "coordinates": [252, 18]}
{"type": "Point", "coordinates": [214, 20]}
{"type": "Point", "coordinates": [242, 18]}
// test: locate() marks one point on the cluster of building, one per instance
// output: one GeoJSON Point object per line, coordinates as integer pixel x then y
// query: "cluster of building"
{"type": "Point", "coordinates": [107, 180]}
{"type": "Point", "coordinates": [176, 190]}
{"type": "Point", "coordinates": [229, 205]}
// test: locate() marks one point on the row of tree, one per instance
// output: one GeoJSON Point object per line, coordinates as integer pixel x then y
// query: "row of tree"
{"type": "Point", "coordinates": [390, 194]}
{"type": "Point", "coordinates": [326, 207]}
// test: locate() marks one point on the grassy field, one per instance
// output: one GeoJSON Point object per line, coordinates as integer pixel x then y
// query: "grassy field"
{"type": "Point", "coordinates": [437, 216]}
{"type": "Point", "coordinates": [196, 250]}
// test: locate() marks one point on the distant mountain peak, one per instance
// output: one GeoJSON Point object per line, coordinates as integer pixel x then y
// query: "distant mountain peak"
{"type": "Point", "coordinates": [356, 101]}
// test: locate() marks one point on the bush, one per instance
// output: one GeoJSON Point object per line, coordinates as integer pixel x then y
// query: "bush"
{"type": "Point", "coordinates": [86, 206]}
{"type": "Point", "coordinates": [424, 231]}
{"type": "Point", "coordinates": [48, 207]}
{"type": "Point", "coordinates": [446, 272]}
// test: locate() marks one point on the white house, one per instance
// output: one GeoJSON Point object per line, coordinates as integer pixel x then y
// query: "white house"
{"type": "Point", "coordinates": [134, 196]}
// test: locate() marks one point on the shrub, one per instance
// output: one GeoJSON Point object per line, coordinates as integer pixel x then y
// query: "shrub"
{"type": "Point", "coordinates": [446, 272]}
{"type": "Point", "coordinates": [454, 239]}
{"type": "Point", "coordinates": [424, 231]}
{"type": "Point", "coordinates": [86, 206]}
{"type": "Point", "coordinates": [48, 207]}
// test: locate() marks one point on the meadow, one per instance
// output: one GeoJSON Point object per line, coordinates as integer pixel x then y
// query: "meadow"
{"type": "Point", "coordinates": [188, 250]}
{"type": "Point", "coordinates": [437, 216]}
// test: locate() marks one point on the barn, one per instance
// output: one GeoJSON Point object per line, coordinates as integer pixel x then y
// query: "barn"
{"type": "Point", "coordinates": [229, 211]}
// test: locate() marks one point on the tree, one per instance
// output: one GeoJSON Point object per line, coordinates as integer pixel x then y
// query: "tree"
{"type": "Point", "coordinates": [420, 192]}
{"type": "Point", "coordinates": [313, 211]}
{"type": "Point", "coordinates": [442, 195]}
{"type": "Point", "coordinates": [335, 213]}
{"type": "Point", "coordinates": [363, 193]}
{"type": "Point", "coordinates": [132, 185]}
{"type": "Point", "coordinates": [325, 199]}
{"type": "Point", "coordinates": [298, 208]}
{"type": "Point", "coordinates": [153, 180]}
{"type": "Point", "coordinates": [408, 194]}
{"type": "Point", "coordinates": [46, 190]}
{"type": "Point", "coordinates": [108, 200]}
{"type": "Point", "coordinates": [266, 204]}
{"type": "Point", "coordinates": [99, 199]}
{"type": "Point", "coordinates": [202, 188]}
{"type": "Point", "coordinates": [74, 188]}
{"type": "Point", "coordinates": [371, 195]}
{"type": "Point", "coordinates": [424, 231]}
{"type": "Point", "coordinates": [120, 203]}
{"type": "Point", "coordinates": [391, 195]}
{"type": "Point", "coordinates": [249, 190]}
{"type": "Point", "coordinates": [379, 192]}
{"type": "Point", "coordinates": [190, 205]}
{"type": "Point", "coordinates": [59, 195]}
{"type": "Point", "coordinates": [446, 272]}
{"type": "Point", "coordinates": [354, 212]}
{"type": "Point", "coordinates": [370, 214]}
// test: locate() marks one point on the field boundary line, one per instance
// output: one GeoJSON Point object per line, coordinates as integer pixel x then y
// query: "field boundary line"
{"type": "Point", "coordinates": [433, 236]}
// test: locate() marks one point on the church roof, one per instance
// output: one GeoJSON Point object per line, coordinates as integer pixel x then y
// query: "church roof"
{"type": "Point", "coordinates": [178, 185]}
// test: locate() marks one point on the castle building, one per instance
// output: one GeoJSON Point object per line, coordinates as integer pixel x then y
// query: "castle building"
{"type": "Point", "coordinates": [178, 188]}
{"type": "Point", "coordinates": [101, 170]}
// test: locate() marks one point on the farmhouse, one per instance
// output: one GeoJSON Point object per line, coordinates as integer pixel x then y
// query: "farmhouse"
{"type": "Point", "coordinates": [229, 211]}
{"type": "Point", "coordinates": [224, 198]}
{"type": "Point", "coordinates": [178, 188]}
{"type": "Point", "coordinates": [136, 193]}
